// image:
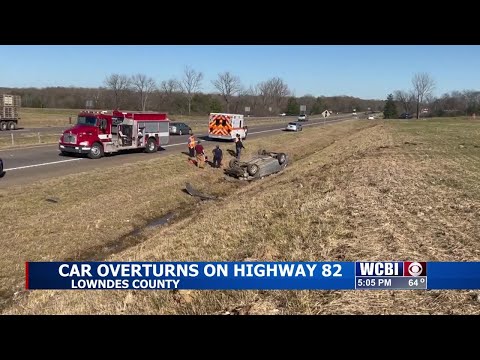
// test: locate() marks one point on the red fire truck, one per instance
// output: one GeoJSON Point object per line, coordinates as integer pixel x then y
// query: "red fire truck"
{"type": "Point", "coordinates": [99, 133]}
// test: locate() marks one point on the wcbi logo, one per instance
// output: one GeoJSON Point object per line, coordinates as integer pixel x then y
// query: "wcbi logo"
{"type": "Point", "coordinates": [399, 268]}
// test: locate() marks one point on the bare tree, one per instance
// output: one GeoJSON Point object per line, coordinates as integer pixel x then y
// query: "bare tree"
{"type": "Point", "coordinates": [170, 86]}
{"type": "Point", "coordinates": [119, 84]}
{"type": "Point", "coordinates": [144, 86]}
{"type": "Point", "coordinates": [423, 85]}
{"type": "Point", "coordinates": [273, 92]}
{"type": "Point", "coordinates": [228, 85]}
{"type": "Point", "coordinates": [191, 84]}
{"type": "Point", "coordinates": [405, 98]}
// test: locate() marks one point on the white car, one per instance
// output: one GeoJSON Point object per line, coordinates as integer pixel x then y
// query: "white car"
{"type": "Point", "coordinates": [283, 114]}
{"type": "Point", "coordinates": [302, 117]}
{"type": "Point", "coordinates": [293, 126]}
{"type": "Point", "coordinates": [371, 117]}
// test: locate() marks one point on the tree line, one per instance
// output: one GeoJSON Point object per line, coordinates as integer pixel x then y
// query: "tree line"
{"type": "Point", "coordinates": [420, 102]}
{"type": "Point", "coordinates": [184, 95]}
{"type": "Point", "coordinates": [273, 96]}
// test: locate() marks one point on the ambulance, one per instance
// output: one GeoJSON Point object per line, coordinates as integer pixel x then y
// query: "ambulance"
{"type": "Point", "coordinates": [226, 126]}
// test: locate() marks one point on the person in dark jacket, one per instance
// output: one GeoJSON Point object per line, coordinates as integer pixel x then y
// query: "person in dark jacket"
{"type": "Point", "coordinates": [238, 146]}
{"type": "Point", "coordinates": [217, 156]}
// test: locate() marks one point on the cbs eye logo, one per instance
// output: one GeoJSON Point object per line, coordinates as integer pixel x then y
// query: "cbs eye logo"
{"type": "Point", "coordinates": [415, 269]}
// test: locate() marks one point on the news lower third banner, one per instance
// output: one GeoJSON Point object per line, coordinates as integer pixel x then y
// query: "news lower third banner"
{"type": "Point", "coordinates": [399, 275]}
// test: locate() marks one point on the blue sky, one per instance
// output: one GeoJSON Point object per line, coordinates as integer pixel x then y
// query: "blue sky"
{"type": "Point", "coordinates": [364, 71]}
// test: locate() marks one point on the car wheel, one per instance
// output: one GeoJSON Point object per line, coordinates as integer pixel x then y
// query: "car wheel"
{"type": "Point", "coordinates": [11, 125]}
{"type": "Point", "coordinates": [233, 163]}
{"type": "Point", "coordinates": [3, 126]}
{"type": "Point", "coordinates": [252, 169]}
{"type": "Point", "coordinates": [180, 132]}
{"type": "Point", "coordinates": [281, 158]}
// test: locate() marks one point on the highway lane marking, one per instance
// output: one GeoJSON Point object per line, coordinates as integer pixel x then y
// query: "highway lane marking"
{"type": "Point", "coordinates": [41, 164]}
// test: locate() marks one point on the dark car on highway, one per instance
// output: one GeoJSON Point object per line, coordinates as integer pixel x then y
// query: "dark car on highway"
{"type": "Point", "coordinates": [179, 128]}
{"type": "Point", "coordinates": [405, 116]}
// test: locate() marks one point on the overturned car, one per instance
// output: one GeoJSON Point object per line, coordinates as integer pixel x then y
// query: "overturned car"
{"type": "Point", "coordinates": [263, 164]}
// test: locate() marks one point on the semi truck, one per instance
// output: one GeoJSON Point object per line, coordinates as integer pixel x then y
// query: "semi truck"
{"type": "Point", "coordinates": [9, 105]}
{"type": "Point", "coordinates": [98, 133]}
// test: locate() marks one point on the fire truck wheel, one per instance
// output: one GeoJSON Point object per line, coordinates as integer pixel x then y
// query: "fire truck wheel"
{"type": "Point", "coordinates": [151, 146]}
{"type": "Point", "coordinates": [3, 126]}
{"type": "Point", "coordinates": [96, 152]}
{"type": "Point", "coordinates": [11, 125]}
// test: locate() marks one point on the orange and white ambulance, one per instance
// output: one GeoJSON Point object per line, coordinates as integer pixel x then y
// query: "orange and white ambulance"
{"type": "Point", "coordinates": [226, 126]}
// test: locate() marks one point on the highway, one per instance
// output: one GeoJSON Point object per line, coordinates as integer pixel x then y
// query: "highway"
{"type": "Point", "coordinates": [32, 163]}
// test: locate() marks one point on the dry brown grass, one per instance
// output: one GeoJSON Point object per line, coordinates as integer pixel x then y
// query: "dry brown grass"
{"type": "Point", "coordinates": [35, 117]}
{"type": "Point", "coordinates": [354, 191]}
{"type": "Point", "coordinates": [27, 138]}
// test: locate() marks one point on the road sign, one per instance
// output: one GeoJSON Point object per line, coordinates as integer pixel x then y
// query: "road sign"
{"type": "Point", "coordinates": [303, 107]}
{"type": "Point", "coordinates": [89, 104]}
{"type": "Point", "coordinates": [326, 113]}
{"type": "Point", "coordinates": [247, 108]}
{"type": "Point", "coordinates": [270, 109]}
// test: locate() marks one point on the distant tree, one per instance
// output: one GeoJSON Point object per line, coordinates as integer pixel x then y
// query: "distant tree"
{"type": "Point", "coordinates": [191, 84]}
{"type": "Point", "coordinates": [228, 85]}
{"type": "Point", "coordinates": [390, 110]}
{"type": "Point", "coordinates": [272, 92]}
{"type": "Point", "coordinates": [423, 85]}
{"type": "Point", "coordinates": [119, 84]}
{"type": "Point", "coordinates": [292, 106]}
{"type": "Point", "coordinates": [318, 106]}
{"type": "Point", "coordinates": [215, 105]}
{"type": "Point", "coordinates": [144, 86]}
{"type": "Point", "coordinates": [170, 86]}
{"type": "Point", "coordinates": [406, 99]}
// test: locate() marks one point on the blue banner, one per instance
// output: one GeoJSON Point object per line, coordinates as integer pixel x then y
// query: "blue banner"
{"type": "Point", "coordinates": [190, 275]}
{"type": "Point", "coordinates": [253, 275]}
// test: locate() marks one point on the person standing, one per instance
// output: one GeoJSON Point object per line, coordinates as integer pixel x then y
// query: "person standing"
{"type": "Point", "coordinates": [191, 146]}
{"type": "Point", "coordinates": [217, 157]}
{"type": "Point", "coordinates": [200, 155]}
{"type": "Point", "coordinates": [238, 146]}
